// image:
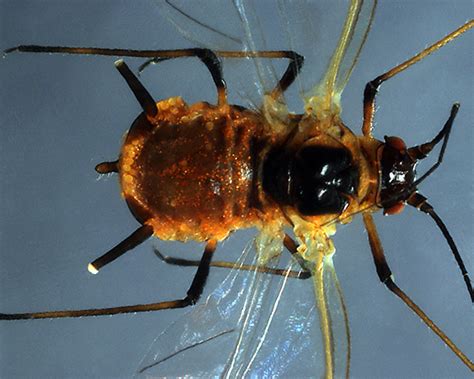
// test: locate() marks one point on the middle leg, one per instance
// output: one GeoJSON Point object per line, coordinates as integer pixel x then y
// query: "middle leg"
{"type": "Point", "coordinates": [289, 243]}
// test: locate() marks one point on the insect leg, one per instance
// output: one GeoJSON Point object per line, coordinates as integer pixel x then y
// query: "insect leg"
{"type": "Point", "coordinates": [133, 240]}
{"type": "Point", "coordinates": [231, 265]}
{"type": "Point", "coordinates": [192, 296]}
{"type": "Point", "coordinates": [291, 246]}
{"type": "Point", "coordinates": [372, 87]}
{"type": "Point", "coordinates": [289, 76]}
{"type": "Point", "coordinates": [385, 276]}
{"type": "Point", "coordinates": [208, 57]}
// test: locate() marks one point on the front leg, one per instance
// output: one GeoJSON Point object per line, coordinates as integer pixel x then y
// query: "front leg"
{"type": "Point", "coordinates": [372, 87]}
{"type": "Point", "coordinates": [385, 276]}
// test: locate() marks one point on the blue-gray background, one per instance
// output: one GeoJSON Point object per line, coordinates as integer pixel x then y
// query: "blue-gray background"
{"type": "Point", "coordinates": [60, 115]}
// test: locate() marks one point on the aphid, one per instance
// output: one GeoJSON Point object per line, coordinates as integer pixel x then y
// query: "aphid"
{"type": "Point", "coordinates": [268, 187]}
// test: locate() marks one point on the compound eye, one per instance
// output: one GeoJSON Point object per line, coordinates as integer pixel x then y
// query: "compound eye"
{"type": "Point", "coordinates": [395, 142]}
{"type": "Point", "coordinates": [394, 209]}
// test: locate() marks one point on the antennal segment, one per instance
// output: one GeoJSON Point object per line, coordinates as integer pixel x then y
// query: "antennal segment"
{"type": "Point", "coordinates": [421, 151]}
{"type": "Point", "coordinates": [419, 202]}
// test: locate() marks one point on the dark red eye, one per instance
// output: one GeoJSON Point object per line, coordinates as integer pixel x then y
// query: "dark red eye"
{"type": "Point", "coordinates": [395, 142]}
{"type": "Point", "coordinates": [394, 209]}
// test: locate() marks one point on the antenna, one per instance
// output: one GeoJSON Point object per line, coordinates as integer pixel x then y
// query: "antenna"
{"type": "Point", "coordinates": [419, 202]}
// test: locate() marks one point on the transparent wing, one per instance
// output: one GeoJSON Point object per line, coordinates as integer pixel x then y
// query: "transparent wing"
{"type": "Point", "coordinates": [198, 343]}
{"type": "Point", "coordinates": [202, 25]}
{"type": "Point", "coordinates": [253, 325]}
{"type": "Point", "coordinates": [283, 338]}
{"type": "Point", "coordinates": [330, 35]}
{"type": "Point", "coordinates": [250, 325]}
{"type": "Point", "coordinates": [276, 330]}
{"type": "Point", "coordinates": [232, 25]}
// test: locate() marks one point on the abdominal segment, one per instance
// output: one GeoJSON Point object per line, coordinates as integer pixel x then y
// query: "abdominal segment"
{"type": "Point", "coordinates": [192, 176]}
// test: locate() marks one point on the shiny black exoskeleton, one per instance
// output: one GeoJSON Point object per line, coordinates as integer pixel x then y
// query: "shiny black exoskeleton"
{"type": "Point", "coordinates": [315, 180]}
{"type": "Point", "coordinates": [398, 174]}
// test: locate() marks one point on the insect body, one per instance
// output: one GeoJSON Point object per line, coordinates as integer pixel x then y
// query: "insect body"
{"type": "Point", "coordinates": [239, 175]}
{"type": "Point", "coordinates": [187, 190]}
{"type": "Point", "coordinates": [198, 172]}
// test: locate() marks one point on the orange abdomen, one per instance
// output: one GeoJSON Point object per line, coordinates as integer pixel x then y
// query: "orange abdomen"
{"type": "Point", "coordinates": [191, 172]}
